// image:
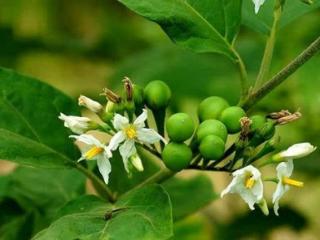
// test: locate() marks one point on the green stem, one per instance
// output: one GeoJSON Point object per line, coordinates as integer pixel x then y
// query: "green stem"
{"type": "Point", "coordinates": [275, 180]}
{"type": "Point", "coordinates": [243, 75]}
{"type": "Point", "coordinates": [268, 52]}
{"type": "Point", "coordinates": [159, 117]}
{"type": "Point", "coordinates": [98, 183]}
{"type": "Point", "coordinates": [301, 59]}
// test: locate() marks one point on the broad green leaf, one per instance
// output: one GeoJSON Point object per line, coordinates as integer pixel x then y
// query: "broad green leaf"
{"type": "Point", "coordinates": [203, 26]}
{"type": "Point", "coordinates": [180, 190]}
{"type": "Point", "coordinates": [262, 21]}
{"type": "Point", "coordinates": [30, 131]}
{"type": "Point", "coordinates": [30, 198]}
{"type": "Point", "coordinates": [143, 214]}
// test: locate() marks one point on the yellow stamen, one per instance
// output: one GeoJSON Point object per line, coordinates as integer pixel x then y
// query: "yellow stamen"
{"type": "Point", "coordinates": [249, 182]}
{"type": "Point", "coordinates": [94, 151]}
{"type": "Point", "coordinates": [292, 182]}
{"type": "Point", "coordinates": [131, 132]}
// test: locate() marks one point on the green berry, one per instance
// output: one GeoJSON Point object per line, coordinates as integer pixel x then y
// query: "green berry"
{"type": "Point", "coordinates": [157, 95]}
{"type": "Point", "coordinates": [211, 108]}
{"type": "Point", "coordinates": [231, 118]}
{"type": "Point", "coordinates": [212, 147]}
{"type": "Point", "coordinates": [138, 95]}
{"type": "Point", "coordinates": [212, 127]}
{"type": "Point", "coordinates": [263, 134]}
{"type": "Point", "coordinates": [257, 122]}
{"type": "Point", "coordinates": [176, 156]}
{"type": "Point", "coordinates": [180, 127]}
{"type": "Point", "coordinates": [268, 130]}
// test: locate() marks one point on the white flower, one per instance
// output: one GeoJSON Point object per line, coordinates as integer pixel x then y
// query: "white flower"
{"type": "Point", "coordinates": [129, 133]}
{"type": "Point", "coordinates": [77, 124]}
{"type": "Point", "coordinates": [257, 5]}
{"type": "Point", "coordinates": [284, 171]}
{"type": "Point", "coordinates": [298, 150]}
{"type": "Point", "coordinates": [248, 184]}
{"type": "Point", "coordinates": [95, 150]}
{"type": "Point", "coordinates": [90, 104]}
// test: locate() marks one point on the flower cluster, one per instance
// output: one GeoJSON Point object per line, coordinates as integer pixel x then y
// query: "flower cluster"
{"type": "Point", "coordinates": [247, 181]}
{"type": "Point", "coordinates": [125, 135]}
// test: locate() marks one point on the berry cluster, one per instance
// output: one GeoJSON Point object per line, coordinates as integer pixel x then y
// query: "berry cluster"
{"type": "Point", "coordinates": [208, 146]}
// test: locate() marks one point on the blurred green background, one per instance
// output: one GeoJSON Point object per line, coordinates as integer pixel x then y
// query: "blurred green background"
{"type": "Point", "coordinates": [81, 46]}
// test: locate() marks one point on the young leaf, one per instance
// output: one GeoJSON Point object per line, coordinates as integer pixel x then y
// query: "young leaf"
{"type": "Point", "coordinates": [144, 214]}
{"type": "Point", "coordinates": [203, 26]}
{"type": "Point", "coordinates": [180, 190]}
{"type": "Point", "coordinates": [30, 131]}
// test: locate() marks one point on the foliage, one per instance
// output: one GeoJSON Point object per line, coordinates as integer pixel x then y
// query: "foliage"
{"type": "Point", "coordinates": [47, 199]}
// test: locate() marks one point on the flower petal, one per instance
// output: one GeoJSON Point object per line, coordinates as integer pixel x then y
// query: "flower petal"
{"type": "Point", "coordinates": [140, 120]}
{"type": "Point", "coordinates": [104, 167]}
{"type": "Point", "coordinates": [92, 105]}
{"type": "Point", "coordinates": [284, 169]}
{"type": "Point", "coordinates": [249, 195]}
{"type": "Point", "coordinates": [120, 122]}
{"type": "Point", "coordinates": [149, 136]}
{"type": "Point", "coordinates": [118, 138]}
{"type": "Point", "coordinates": [77, 124]}
{"type": "Point", "coordinates": [87, 139]}
{"type": "Point", "coordinates": [126, 151]}
{"type": "Point", "coordinates": [278, 193]}
{"type": "Point", "coordinates": [298, 150]}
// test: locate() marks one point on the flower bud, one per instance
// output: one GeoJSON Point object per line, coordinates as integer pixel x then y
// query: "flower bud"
{"type": "Point", "coordinates": [263, 206]}
{"type": "Point", "coordinates": [136, 162]}
{"type": "Point", "coordinates": [298, 150]}
{"type": "Point", "coordinates": [90, 104]}
{"type": "Point", "coordinates": [110, 109]}
{"type": "Point", "coordinates": [77, 124]}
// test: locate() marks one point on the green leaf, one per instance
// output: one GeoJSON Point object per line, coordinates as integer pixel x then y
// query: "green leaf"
{"type": "Point", "coordinates": [203, 26]}
{"type": "Point", "coordinates": [31, 197]}
{"type": "Point", "coordinates": [142, 214]}
{"type": "Point", "coordinates": [180, 190]}
{"type": "Point", "coordinates": [30, 131]}
{"type": "Point", "coordinates": [262, 22]}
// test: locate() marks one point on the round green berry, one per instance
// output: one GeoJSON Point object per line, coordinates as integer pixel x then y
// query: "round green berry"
{"type": "Point", "coordinates": [263, 134]}
{"type": "Point", "coordinates": [231, 118]}
{"type": "Point", "coordinates": [212, 127]}
{"type": "Point", "coordinates": [257, 122]}
{"type": "Point", "coordinates": [268, 130]}
{"type": "Point", "coordinates": [157, 95]}
{"type": "Point", "coordinates": [176, 156]}
{"type": "Point", "coordinates": [138, 95]}
{"type": "Point", "coordinates": [180, 127]}
{"type": "Point", "coordinates": [211, 108]}
{"type": "Point", "coordinates": [212, 147]}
